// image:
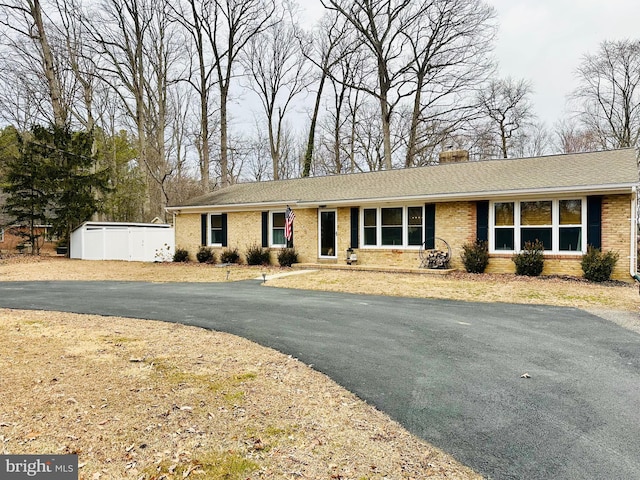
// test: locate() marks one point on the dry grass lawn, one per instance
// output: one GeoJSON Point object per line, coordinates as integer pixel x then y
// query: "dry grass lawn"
{"type": "Point", "coordinates": [151, 400]}
{"type": "Point", "coordinates": [565, 292]}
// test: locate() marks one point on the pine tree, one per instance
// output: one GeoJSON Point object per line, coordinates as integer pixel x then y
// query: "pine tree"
{"type": "Point", "coordinates": [25, 186]}
{"type": "Point", "coordinates": [53, 181]}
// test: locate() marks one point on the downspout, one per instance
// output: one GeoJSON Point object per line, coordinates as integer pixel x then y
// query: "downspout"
{"type": "Point", "coordinates": [633, 260]}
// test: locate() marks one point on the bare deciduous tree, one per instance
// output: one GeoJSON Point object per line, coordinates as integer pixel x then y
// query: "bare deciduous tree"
{"type": "Point", "coordinates": [572, 138]}
{"type": "Point", "coordinates": [506, 105]}
{"type": "Point", "coordinates": [448, 47]}
{"type": "Point", "coordinates": [138, 49]}
{"type": "Point", "coordinates": [323, 50]}
{"type": "Point", "coordinates": [278, 73]}
{"type": "Point", "coordinates": [232, 24]}
{"type": "Point", "coordinates": [609, 93]}
{"type": "Point", "coordinates": [420, 51]}
{"type": "Point", "coordinates": [26, 20]}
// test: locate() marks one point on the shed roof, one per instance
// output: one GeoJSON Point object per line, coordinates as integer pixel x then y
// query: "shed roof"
{"type": "Point", "coordinates": [120, 225]}
{"type": "Point", "coordinates": [605, 171]}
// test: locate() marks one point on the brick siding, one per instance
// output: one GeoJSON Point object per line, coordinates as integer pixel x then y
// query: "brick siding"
{"type": "Point", "coordinates": [455, 223]}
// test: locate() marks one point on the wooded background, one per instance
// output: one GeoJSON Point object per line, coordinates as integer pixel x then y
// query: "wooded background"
{"type": "Point", "coordinates": [160, 86]}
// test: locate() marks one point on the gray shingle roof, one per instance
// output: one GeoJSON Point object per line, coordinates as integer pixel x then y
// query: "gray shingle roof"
{"type": "Point", "coordinates": [593, 171]}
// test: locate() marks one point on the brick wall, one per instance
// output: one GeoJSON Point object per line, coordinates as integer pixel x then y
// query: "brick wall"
{"type": "Point", "coordinates": [245, 229]}
{"type": "Point", "coordinates": [187, 228]}
{"type": "Point", "coordinates": [616, 233]}
{"type": "Point", "coordinates": [455, 222]}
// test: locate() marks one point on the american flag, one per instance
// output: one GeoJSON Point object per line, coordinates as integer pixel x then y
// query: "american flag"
{"type": "Point", "coordinates": [288, 224]}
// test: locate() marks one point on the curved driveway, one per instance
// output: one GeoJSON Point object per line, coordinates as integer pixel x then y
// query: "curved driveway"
{"type": "Point", "coordinates": [450, 372]}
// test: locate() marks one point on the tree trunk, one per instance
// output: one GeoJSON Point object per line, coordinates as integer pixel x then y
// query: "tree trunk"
{"type": "Point", "coordinates": [413, 130]}
{"type": "Point", "coordinates": [224, 149]}
{"type": "Point", "coordinates": [386, 132]}
{"type": "Point", "coordinates": [48, 64]}
{"type": "Point", "coordinates": [308, 156]}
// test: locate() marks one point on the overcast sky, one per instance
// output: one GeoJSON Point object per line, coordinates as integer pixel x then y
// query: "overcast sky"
{"type": "Point", "coordinates": [543, 41]}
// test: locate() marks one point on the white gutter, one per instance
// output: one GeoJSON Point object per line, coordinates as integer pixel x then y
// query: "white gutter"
{"type": "Point", "coordinates": [229, 207]}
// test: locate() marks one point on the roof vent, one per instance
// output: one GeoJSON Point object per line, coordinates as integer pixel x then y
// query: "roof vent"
{"type": "Point", "coordinates": [453, 156]}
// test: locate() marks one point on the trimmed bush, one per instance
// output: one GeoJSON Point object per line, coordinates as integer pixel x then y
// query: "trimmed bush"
{"type": "Point", "coordinates": [530, 261]}
{"type": "Point", "coordinates": [230, 255]}
{"type": "Point", "coordinates": [598, 266]}
{"type": "Point", "coordinates": [257, 255]}
{"type": "Point", "coordinates": [181, 255]}
{"type": "Point", "coordinates": [475, 256]}
{"type": "Point", "coordinates": [287, 257]}
{"type": "Point", "coordinates": [206, 255]}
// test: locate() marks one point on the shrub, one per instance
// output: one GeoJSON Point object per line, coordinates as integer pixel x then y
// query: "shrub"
{"type": "Point", "coordinates": [256, 255]}
{"type": "Point", "coordinates": [181, 255]}
{"type": "Point", "coordinates": [230, 255]}
{"type": "Point", "coordinates": [530, 261]}
{"type": "Point", "coordinates": [287, 257]}
{"type": "Point", "coordinates": [475, 256]}
{"type": "Point", "coordinates": [206, 255]}
{"type": "Point", "coordinates": [598, 266]}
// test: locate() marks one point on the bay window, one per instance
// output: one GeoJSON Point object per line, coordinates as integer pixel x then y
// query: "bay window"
{"type": "Point", "coordinates": [558, 224]}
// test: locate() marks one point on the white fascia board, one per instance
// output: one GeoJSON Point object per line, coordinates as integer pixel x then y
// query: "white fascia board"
{"type": "Point", "coordinates": [240, 207]}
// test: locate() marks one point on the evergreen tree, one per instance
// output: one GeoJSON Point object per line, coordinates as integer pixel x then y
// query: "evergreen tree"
{"type": "Point", "coordinates": [25, 186]}
{"type": "Point", "coordinates": [53, 181]}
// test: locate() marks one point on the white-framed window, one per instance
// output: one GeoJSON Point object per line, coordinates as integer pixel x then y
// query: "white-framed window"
{"type": "Point", "coordinates": [276, 231]}
{"type": "Point", "coordinates": [216, 229]}
{"type": "Point", "coordinates": [560, 224]}
{"type": "Point", "coordinates": [392, 226]}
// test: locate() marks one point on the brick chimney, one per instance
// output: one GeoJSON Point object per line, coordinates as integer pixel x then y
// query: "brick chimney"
{"type": "Point", "coordinates": [453, 156]}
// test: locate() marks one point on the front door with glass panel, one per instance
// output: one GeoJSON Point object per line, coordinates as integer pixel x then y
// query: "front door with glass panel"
{"type": "Point", "coordinates": [328, 233]}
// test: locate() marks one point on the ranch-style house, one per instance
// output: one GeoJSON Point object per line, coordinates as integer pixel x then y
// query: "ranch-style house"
{"type": "Point", "coordinates": [383, 218]}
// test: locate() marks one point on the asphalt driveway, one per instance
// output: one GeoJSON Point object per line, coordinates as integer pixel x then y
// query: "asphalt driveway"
{"type": "Point", "coordinates": [450, 372]}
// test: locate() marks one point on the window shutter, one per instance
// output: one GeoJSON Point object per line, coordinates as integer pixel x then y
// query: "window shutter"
{"type": "Point", "coordinates": [265, 229]}
{"type": "Point", "coordinates": [430, 225]}
{"type": "Point", "coordinates": [203, 229]}
{"type": "Point", "coordinates": [355, 220]}
{"type": "Point", "coordinates": [594, 221]}
{"type": "Point", "coordinates": [224, 229]}
{"type": "Point", "coordinates": [482, 220]}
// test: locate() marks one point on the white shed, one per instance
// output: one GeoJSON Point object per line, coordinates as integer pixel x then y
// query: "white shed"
{"type": "Point", "coordinates": [134, 242]}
